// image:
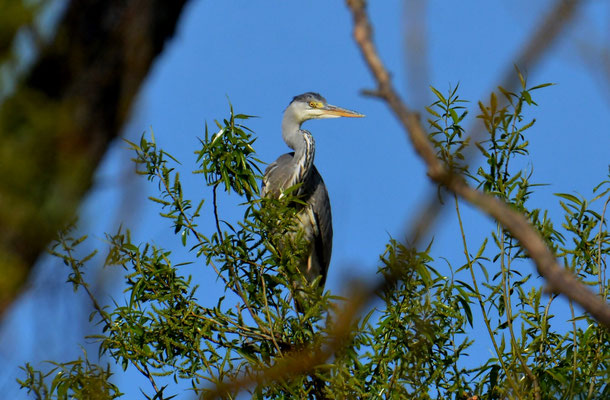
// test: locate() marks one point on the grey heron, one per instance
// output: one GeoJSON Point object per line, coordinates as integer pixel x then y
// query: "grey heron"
{"type": "Point", "coordinates": [314, 218]}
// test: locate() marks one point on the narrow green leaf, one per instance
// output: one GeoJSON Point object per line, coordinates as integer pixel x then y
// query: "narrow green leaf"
{"type": "Point", "coordinates": [520, 75]}
{"type": "Point", "coordinates": [568, 197]}
{"type": "Point", "coordinates": [454, 116]}
{"type": "Point", "coordinates": [431, 111]}
{"type": "Point", "coordinates": [439, 95]}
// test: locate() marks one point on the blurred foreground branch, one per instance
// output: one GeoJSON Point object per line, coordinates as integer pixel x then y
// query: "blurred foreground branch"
{"type": "Point", "coordinates": [542, 39]}
{"type": "Point", "coordinates": [57, 124]}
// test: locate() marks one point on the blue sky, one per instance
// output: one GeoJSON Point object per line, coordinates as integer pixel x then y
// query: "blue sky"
{"type": "Point", "coordinates": [261, 54]}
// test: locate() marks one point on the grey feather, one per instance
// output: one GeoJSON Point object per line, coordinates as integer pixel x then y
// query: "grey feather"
{"type": "Point", "coordinates": [318, 230]}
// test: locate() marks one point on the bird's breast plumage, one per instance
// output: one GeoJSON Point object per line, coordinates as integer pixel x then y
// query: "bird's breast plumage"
{"type": "Point", "coordinates": [315, 219]}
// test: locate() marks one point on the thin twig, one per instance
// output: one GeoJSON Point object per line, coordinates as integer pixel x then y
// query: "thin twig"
{"type": "Point", "coordinates": [506, 289]}
{"type": "Point", "coordinates": [269, 320]}
{"type": "Point", "coordinates": [575, 343]}
{"type": "Point", "coordinates": [475, 285]}
{"type": "Point", "coordinates": [187, 219]}
{"type": "Point", "coordinates": [237, 288]}
{"type": "Point", "coordinates": [100, 311]}
{"type": "Point", "coordinates": [600, 268]}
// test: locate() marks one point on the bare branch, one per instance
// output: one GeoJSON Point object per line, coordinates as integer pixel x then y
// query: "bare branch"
{"type": "Point", "coordinates": [559, 279]}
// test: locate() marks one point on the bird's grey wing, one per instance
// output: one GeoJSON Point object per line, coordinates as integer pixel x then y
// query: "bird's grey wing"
{"type": "Point", "coordinates": [323, 242]}
{"type": "Point", "coordinates": [277, 175]}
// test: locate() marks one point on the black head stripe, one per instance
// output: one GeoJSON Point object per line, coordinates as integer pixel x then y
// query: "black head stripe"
{"type": "Point", "coordinates": [309, 96]}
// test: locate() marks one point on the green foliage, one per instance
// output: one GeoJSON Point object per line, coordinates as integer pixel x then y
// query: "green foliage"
{"type": "Point", "coordinates": [413, 347]}
{"type": "Point", "coordinates": [228, 157]}
{"type": "Point", "coordinates": [424, 337]}
{"type": "Point", "coordinates": [445, 129]}
{"type": "Point", "coordinates": [77, 379]}
{"type": "Point", "coordinates": [536, 355]}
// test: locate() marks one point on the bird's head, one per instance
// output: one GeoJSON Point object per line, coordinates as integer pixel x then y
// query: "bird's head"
{"type": "Point", "coordinates": [313, 106]}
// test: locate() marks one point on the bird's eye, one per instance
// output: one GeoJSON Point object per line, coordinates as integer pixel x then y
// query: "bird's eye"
{"type": "Point", "coordinates": [313, 104]}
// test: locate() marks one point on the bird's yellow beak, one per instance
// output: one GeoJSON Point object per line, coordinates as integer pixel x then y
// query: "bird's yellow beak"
{"type": "Point", "coordinates": [339, 112]}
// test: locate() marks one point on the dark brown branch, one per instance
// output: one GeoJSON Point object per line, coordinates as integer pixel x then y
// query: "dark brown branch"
{"type": "Point", "coordinates": [58, 123]}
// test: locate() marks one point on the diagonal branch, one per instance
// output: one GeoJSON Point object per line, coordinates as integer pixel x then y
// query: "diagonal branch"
{"type": "Point", "coordinates": [559, 279]}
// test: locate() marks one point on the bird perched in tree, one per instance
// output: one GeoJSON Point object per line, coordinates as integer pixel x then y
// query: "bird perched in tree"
{"type": "Point", "coordinates": [314, 218]}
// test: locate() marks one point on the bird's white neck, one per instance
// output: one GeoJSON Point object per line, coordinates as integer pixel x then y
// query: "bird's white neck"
{"type": "Point", "coordinates": [291, 127]}
{"type": "Point", "coordinates": [301, 142]}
